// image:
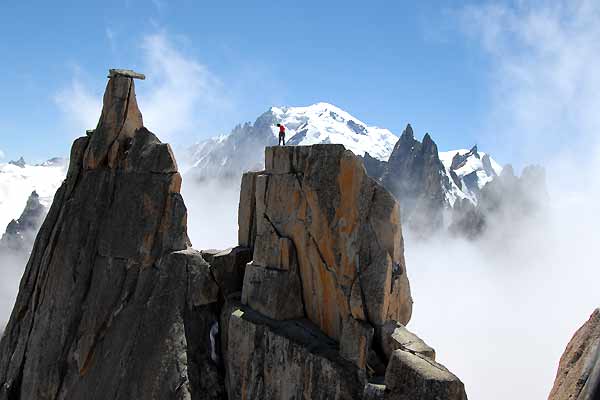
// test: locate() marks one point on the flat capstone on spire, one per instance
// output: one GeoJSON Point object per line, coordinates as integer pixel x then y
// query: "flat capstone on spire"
{"type": "Point", "coordinates": [125, 72]}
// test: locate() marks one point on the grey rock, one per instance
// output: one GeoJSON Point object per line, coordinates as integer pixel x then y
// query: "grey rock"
{"type": "Point", "coordinates": [112, 304]}
{"type": "Point", "coordinates": [228, 268]}
{"type": "Point", "coordinates": [412, 376]}
{"type": "Point", "coordinates": [273, 292]}
{"type": "Point", "coordinates": [271, 360]}
{"type": "Point", "coordinates": [246, 215]}
{"type": "Point", "coordinates": [394, 336]}
{"type": "Point", "coordinates": [374, 391]}
{"type": "Point", "coordinates": [126, 73]}
{"type": "Point", "coordinates": [375, 168]}
{"type": "Point", "coordinates": [355, 341]}
{"type": "Point", "coordinates": [416, 177]}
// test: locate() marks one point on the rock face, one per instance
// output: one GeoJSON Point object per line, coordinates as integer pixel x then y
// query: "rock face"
{"type": "Point", "coordinates": [326, 296]}
{"type": "Point", "coordinates": [413, 376]}
{"type": "Point", "coordinates": [104, 309]}
{"type": "Point", "coordinates": [578, 375]}
{"type": "Point", "coordinates": [417, 178]}
{"type": "Point", "coordinates": [341, 231]}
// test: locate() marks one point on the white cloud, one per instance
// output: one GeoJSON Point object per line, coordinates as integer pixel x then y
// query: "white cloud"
{"type": "Point", "coordinates": [545, 81]}
{"type": "Point", "coordinates": [2, 154]}
{"type": "Point", "coordinates": [181, 96]}
{"type": "Point", "coordinates": [80, 106]}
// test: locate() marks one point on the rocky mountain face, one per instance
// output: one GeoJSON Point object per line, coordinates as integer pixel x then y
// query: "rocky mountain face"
{"type": "Point", "coordinates": [327, 290]}
{"type": "Point", "coordinates": [578, 375]}
{"type": "Point", "coordinates": [312, 303]}
{"type": "Point", "coordinates": [20, 233]}
{"type": "Point", "coordinates": [465, 191]}
{"type": "Point", "coordinates": [417, 178]}
{"type": "Point", "coordinates": [106, 282]}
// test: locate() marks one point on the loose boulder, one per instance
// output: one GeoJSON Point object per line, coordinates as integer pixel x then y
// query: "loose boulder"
{"type": "Point", "coordinates": [411, 376]}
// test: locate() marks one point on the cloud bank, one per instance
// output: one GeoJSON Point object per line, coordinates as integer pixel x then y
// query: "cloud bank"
{"type": "Point", "coordinates": [501, 311]}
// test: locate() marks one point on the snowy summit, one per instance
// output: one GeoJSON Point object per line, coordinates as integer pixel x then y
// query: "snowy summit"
{"type": "Point", "coordinates": [243, 148]}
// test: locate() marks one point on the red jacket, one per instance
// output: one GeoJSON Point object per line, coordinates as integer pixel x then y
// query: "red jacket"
{"type": "Point", "coordinates": [281, 128]}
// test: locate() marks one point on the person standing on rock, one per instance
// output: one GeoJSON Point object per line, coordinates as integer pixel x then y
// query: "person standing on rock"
{"type": "Point", "coordinates": [281, 134]}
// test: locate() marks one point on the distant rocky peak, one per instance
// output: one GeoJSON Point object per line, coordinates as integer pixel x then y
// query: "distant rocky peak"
{"type": "Point", "coordinates": [33, 200]}
{"type": "Point", "coordinates": [429, 145]}
{"type": "Point", "coordinates": [408, 133]}
{"type": "Point", "coordinates": [19, 163]}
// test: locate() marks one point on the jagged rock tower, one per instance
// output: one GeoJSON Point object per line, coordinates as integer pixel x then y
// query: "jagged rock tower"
{"type": "Point", "coordinates": [326, 296]}
{"type": "Point", "coordinates": [104, 310]}
{"type": "Point", "coordinates": [415, 175]}
{"type": "Point", "coordinates": [115, 304]}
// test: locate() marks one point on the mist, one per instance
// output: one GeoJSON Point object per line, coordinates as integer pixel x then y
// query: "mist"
{"type": "Point", "coordinates": [501, 310]}
{"type": "Point", "coordinates": [12, 265]}
{"type": "Point", "coordinates": [212, 212]}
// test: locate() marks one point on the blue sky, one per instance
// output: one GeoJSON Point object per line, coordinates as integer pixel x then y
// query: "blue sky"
{"type": "Point", "coordinates": [446, 67]}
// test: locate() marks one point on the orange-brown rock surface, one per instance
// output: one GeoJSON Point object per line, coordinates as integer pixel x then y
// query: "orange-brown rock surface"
{"type": "Point", "coordinates": [326, 297]}
{"type": "Point", "coordinates": [344, 227]}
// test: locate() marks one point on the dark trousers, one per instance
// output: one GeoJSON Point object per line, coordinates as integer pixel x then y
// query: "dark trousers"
{"type": "Point", "coordinates": [282, 138]}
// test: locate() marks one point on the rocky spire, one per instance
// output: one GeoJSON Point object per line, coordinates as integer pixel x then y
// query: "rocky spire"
{"type": "Point", "coordinates": [119, 121]}
{"type": "Point", "coordinates": [415, 176]}
{"type": "Point", "coordinates": [109, 264]}
{"type": "Point", "coordinates": [408, 132]}
{"type": "Point", "coordinates": [21, 232]}
{"type": "Point", "coordinates": [19, 163]}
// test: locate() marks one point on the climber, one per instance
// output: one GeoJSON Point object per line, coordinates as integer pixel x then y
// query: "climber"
{"type": "Point", "coordinates": [281, 134]}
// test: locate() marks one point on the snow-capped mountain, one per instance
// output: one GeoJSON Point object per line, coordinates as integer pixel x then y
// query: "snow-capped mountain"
{"type": "Point", "coordinates": [469, 171]}
{"type": "Point", "coordinates": [326, 123]}
{"type": "Point", "coordinates": [19, 179]}
{"type": "Point", "coordinates": [243, 148]}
